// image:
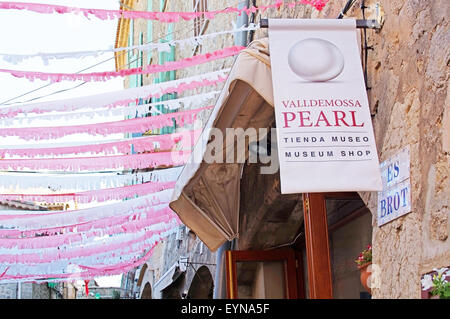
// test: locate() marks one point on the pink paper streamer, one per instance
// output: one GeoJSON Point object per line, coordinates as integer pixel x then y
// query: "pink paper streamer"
{"type": "Point", "coordinates": [111, 226]}
{"type": "Point", "coordinates": [164, 142]}
{"type": "Point", "coordinates": [71, 242]}
{"type": "Point", "coordinates": [135, 161]}
{"type": "Point", "coordinates": [129, 246]}
{"type": "Point", "coordinates": [93, 271]}
{"type": "Point", "coordinates": [3, 273]}
{"type": "Point", "coordinates": [136, 125]}
{"type": "Point", "coordinates": [104, 76]}
{"type": "Point", "coordinates": [101, 195]}
{"type": "Point", "coordinates": [90, 272]}
{"type": "Point", "coordinates": [160, 16]}
{"type": "Point", "coordinates": [177, 86]}
{"type": "Point", "coordinates": [46, 256]}
{"type": "Point", "coordinates": [77, 225]}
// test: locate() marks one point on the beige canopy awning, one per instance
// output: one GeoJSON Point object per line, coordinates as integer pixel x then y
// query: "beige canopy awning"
{"type": "Point", "coordinates": [206, 196]}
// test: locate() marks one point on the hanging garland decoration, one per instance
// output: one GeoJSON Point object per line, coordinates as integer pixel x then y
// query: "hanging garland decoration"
{"type": "Point", "coordinates": [53, 260]}
{"type": "Point", "coordinates": [28, 224]}
{"type": "Point", "coordinates": [91, 251]}
{"type": "Point", "coordinates": [168, 17]}
{"type": "Point", "coordinates": [154, 219]}
{"type": "Point", "coordinates": [77, 272]}
{"type": "Point", "coordinates": [100, 240]}
{"type": "Point", "coordinates": [108, 75]}
{"type": "Point", "coordinates": [100, 237]}
{"type": "Point", "coordinates": [140, 110]}
{"type": "Point", "coordinates": [163, 142]}
{"type": "Point", "coordinates": [158, 216]}
{"type": "Point", "coordinates": [135, 125]}
{"type": "Point", "coordinates": [83, 182]}
{"type": "Point", "coordinates": [102, 195]}
{"type": "Point", "coordinates": [99, 163]}
{"type": "Point", "coordinates": [42, 245]}
{"type": "Point", "coordinates": [119, 261]}
{"type": "Point", "coordinates": [118, 98]}
{"type": "Point", "coordinates": [161, 47]}
{"type": "Point", "coordinates": [94, 228]}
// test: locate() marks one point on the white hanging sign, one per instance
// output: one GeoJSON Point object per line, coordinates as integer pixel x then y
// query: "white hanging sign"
{"type": "Point", "coordinates": [324, 128]}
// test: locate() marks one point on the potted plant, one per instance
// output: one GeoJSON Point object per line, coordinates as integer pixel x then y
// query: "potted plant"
{"type": "Point", "coordinates": [437, 284]}
{"type": "Point", "coordinates": [364, 262]}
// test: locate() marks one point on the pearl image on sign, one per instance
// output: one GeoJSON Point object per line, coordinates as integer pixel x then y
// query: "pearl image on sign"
{"type": "Point", "coordinates": [316, 60]}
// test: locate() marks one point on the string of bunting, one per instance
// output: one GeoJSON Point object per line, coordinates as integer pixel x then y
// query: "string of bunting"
{"type": "Point", "coordinates": [76, 272]}
{"type": "Point", "coordinates": [82, 182]}
{"type": "Point", "coordinates": [135, 125]}
{"type": "Point", "coordinates": [21, 224]}
{"type": "Point", "coordinates": [125, 246]}
{"type": "Point", "coordinates": [103, 195]}
{"type": "Point", "coordinates": [161, 47]}
{"type": "Point", "coordinates": [108, 75]}
{"type": "Point", "coordinates": [119, 98]}
{"type": "Point", "coordinates": [168, 17]}
{"type": "Point", "coordinates": [152, 143]}
{"type": "Point", "coordinates": [110, 263]}
{"type": "Point", "coordinates": [152, 219]}
{"type": "Point", "coordinates": [137, 110]}
{"type": "Point", "coordinates": [86, 233]}
{"type": "Point", "coordinates": [98, 163]}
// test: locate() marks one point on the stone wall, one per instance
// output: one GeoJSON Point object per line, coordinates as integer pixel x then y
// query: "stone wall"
{"type": "Point", "coordinates": [184, 245]}
{"type": "Point", "coordinates": [8, 291]}
{"type": "Point", "coordinates": [27, 291]}
{"type": "Point", "coordinates": [409, 75]}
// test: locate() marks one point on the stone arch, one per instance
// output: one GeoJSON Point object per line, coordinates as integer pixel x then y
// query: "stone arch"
{"type": "Point", "coordinates": [142, 273]}
{"type": "Point", "coordinates": [147, 292]}
{"type": "Point", "coordinates": [174, 290]}
{"type": "Point", "coordinates": [202, 285]}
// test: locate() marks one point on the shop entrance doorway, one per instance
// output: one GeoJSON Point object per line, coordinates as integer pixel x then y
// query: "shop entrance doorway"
{"type": "Point", "coordinates": [319, 264]}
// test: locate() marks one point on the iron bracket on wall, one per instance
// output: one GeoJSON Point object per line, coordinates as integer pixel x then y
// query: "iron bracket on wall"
{"type": "Point", "coordinates": [360, 24]}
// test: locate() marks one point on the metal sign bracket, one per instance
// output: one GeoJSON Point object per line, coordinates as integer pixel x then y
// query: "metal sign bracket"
{"type": "Point", "coordinates": [360, 24]}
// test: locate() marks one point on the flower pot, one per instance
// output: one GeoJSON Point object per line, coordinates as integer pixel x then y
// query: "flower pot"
{"type": "Point", "coordinates": [366, 272]}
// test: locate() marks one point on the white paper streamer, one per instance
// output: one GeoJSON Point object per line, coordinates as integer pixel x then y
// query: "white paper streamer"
{"type": "Point", "coordinates": [75, 268]}
{"type": "Point", "coordinates": [187, 103]}
{"type": "Point", "coordinates": [161, 47]}
{"type": "Point", "coordinates": [54, 219]}
{"type": "Point", "coordinates": [92, 242]}
{"type": "Point", "coordinates": [80, 182]}
{"type": "Point", "coordinates": [110, 99]}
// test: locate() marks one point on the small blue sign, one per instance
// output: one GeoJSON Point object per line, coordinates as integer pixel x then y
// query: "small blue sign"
{"type": "Point", "coordinates": [395, 199]}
